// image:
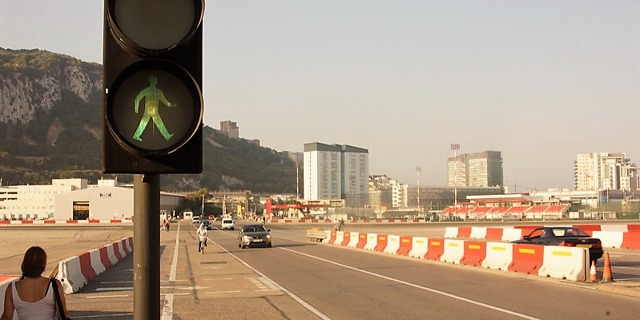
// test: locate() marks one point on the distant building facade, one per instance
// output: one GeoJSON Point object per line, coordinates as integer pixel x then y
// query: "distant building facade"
{"type": "Point", "coordinates": [32, 202]}
{"type": "Point", "coordinates": [74, 199]}
{"type": "Point", "coordinates": [482, 169]}
{"type": "Point", "coordinates": [386, 193]}
{"type": "Point", "coordinates": [336, 172]}
{"type": "Point", "coordinates": [605, 171]}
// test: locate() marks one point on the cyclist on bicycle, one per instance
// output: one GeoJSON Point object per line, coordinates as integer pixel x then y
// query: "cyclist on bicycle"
{"type": "Point", "coordinates": [202, 237]}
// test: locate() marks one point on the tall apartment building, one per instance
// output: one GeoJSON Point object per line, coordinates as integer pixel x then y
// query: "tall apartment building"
{"type": "Point", "coordinates": [605, 171]}
{"type": "Point", "coordinates": [336, 172]}
{"type": "Point", "coordinates": [482, 169]}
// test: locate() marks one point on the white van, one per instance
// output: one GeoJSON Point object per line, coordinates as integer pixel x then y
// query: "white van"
{"type": "Point", "coordinates": [227, 223]}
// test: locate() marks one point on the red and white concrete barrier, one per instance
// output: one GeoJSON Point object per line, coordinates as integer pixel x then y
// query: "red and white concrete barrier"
{"type": "Point", "coordinates": [77, 271]}
{"type": "Point", "coordinates": [4, 282]}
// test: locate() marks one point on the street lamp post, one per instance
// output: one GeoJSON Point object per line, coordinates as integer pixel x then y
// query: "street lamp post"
{"type": "Point", "coordinates": [418, 169]}
{"type": "Point", "coordinates": [455, 147]}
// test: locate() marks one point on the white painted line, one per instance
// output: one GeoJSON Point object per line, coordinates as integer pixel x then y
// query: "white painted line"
{"type": "Point", "coordinates": [177, 294]}
{"type": "Point", "coordinates": [114, 282]}
{"type": "Point", "coordinates": [217, 292]}
{"type": "Point", "coordinates": [114, 289]}
{"type": "Point", "coordinates": [167, 310]}
{"type": "Point", "coordinates": [281, 288]}
{"type": "Point", "coordinates": [513, 313]}
{"type": "Point", "coordinates": [113, 296]}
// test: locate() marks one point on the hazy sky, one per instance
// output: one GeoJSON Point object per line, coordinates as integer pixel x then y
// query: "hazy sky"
{"type": "Point", "coordinates": [538, 80]}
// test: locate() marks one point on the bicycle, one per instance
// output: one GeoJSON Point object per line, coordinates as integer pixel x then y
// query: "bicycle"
{"type": "Point", "coordinates": [202, 245]}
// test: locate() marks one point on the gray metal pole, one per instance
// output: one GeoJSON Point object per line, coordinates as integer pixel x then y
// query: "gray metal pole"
{"type": "Point", "coordinates": [146, 244]}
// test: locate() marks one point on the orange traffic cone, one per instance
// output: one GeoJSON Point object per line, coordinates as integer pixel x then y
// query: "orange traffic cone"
{"type": "Point", "coordinates": [606, 273]}
{"type": "Point", "coordinates": [593, 276]}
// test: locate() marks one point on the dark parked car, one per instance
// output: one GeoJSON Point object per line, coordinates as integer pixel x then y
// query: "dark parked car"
{"type": "Point", "coordinates": [254, 235]}
{"type": "Point", "coordinates": [564, 236]}
{"type": "Point", "coordinates": [207, 224]}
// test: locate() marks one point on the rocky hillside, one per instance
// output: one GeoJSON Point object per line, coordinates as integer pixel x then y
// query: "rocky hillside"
{"type": "Point", "coordinates": [51, 127]}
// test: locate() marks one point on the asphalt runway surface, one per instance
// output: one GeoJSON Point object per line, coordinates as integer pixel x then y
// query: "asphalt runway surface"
{"type": "Point", "coordinates": [297, 279]}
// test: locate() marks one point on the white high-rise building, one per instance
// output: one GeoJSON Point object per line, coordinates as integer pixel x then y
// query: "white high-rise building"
{"type": "Point", "coordinates": [336, 172]}
{"type": "Point", "coordinates": [482, 169]}
{"type": "Point", "coordinates": [605, 171]}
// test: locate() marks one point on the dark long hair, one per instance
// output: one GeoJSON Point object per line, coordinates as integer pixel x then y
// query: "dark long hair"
{"type": "Point", "coordinates": [34, 262]}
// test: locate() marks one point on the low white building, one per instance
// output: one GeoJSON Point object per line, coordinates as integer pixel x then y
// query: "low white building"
{"type": "Point", "coordinates": [32, 202]}
{"type": "Point", "coordinates": [74, 199]}
{"type": "Point", "coordinates": [106, 203]}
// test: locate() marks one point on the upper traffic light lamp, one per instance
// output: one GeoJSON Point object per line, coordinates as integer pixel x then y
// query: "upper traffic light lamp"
{"type": "Point", "coordinates": [153, 103]}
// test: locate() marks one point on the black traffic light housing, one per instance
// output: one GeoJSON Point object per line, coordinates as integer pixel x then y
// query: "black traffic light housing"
{"type": "Point", "coordinates": [152, 99]}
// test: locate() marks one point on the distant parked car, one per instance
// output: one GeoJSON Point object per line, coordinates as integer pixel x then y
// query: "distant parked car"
{"type": "Point", "coordinates": [207, 224]}
{"type": "Point", "coordinates": [227, 223]}
{"type": "Point", "coordinates": [564, 236]}
{"type": "Point", "coordinates": [254, 235]}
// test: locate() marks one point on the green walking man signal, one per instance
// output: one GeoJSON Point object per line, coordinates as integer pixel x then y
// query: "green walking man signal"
{"type": "Point", "coordinates": [152, 97]}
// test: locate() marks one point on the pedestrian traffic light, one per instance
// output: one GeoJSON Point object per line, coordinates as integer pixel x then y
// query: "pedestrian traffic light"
{"type": "Point", "coordinates": [152, 99]}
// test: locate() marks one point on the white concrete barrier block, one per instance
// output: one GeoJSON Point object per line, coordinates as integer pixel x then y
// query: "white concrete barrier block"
{"type": "Point", "coordinates": [419, 247]}
{"type": "Point", "coordinates": [111, 254]}
{"type": "Point", "coordinates": [614, 227]}
{"type": "Point", "coordinates": [354, 238]}
{"type": "Point", "coordinates": [70, 274]}
{"type": "Point", "coordinates": [393, 244]}
{"type": "Point", "coordinates": [478, 233]}
{"type": "Point", "coordinates": [610, 239]}
{"type": "Point", "coordinates": [372, 241]}
{"type": "Point", "coordinates": [96, 263]}
{"type": "Point", "coordinates": [3, 287]}
{"type": "Point", "coordinates": [565, 263]}
{"type": "Point", "coordinates": [451, 232]}
{"type": "Point", "coordinates": [499, 256]}
{"type": "Point", "coordinates": [339, 238]}
{"type": "Point", "coordinates": [453, 251]}
{"type": "Point", "coordinates": [511, 234]}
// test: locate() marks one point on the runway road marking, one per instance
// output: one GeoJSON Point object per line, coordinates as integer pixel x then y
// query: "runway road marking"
{"type": "Point", "coordinates": [167, 310]}
{"type": "Point", "coordinates": [114, 289]}
{"type": "Point", "coordinates": [218, 292]}
{"type": "Point", "coordinates": [488, 306]}
{"type": "Point", "coordinates": [113, 296]}
{"type": "Point", "coordinates": [161, 287]}
{"type": "Point", "coordinates": [281, 288]}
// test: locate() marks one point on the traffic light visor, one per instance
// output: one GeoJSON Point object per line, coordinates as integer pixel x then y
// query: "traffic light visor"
{"type": "Point", "coordinates": [154, 25]}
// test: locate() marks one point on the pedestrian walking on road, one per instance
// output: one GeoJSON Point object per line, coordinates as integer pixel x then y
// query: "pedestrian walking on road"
{"type": "Point", "coordinates": [34, 296]}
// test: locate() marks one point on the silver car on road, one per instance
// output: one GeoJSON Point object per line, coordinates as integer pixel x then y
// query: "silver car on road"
{"type": "Point", "coordinates": [254, 235]}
